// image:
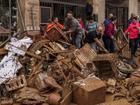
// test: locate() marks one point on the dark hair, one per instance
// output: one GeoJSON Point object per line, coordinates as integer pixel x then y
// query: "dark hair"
{"type": "Point", "coordinates": [113, 18]}
{"type": "Point", "coordinates": [53, 18]}
{"type": "Point", "coordinates": [135, 18]}
{"type": "Point", "coordinates": [78, 16]}
{"type": "Point", "coordinates": [91, 18]}
{"type": "Point", "coordinates": [70, 12]}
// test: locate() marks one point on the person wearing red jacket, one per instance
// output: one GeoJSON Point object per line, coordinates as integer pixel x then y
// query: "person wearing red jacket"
{"type": "Point", "coordinates": [108, 37]}
{"type": "Point", "coordinates": [133, 32]}
{"type": "Point", "coordinates": [81, 22]}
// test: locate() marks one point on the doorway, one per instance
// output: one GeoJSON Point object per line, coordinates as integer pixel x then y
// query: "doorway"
{"type": "Point", "coordinates": [120, 9]}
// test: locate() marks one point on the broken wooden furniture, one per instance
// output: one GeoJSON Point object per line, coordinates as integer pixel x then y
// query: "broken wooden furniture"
{"type": "Point", "coordinates": [55, 34]}
{"type": "Point", "coordinates": [118, 102]}
{"type": "Point", "coordinates": [90, 91]}
{"type": "Point", "coordinates": [67, 99]}
{"type": "Point", "coordinates": [6, 101]}
{"type": "Point", "coordinates": [3, 51]}
{"type": "Point", "coordinates": [121, 42]}
{"type": "Point", "coordinates": [16, 83]}
{"type": "Point", "coordinates": [84, 55]}
{"type": "Point", "coordinates": [4, 35]}
{"type": "Point", "coordinates": [105, 64]}
{"type": "Point", "coordinates": [29, 96]}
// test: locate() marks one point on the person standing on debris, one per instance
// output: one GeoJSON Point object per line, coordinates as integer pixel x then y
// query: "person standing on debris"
{"type": "Point", "coordinates": [55, 22]}
{"type": "Point", "coordinates": [133, 32]}
{"type": "Point", "coordinates": [74, 29]}
{"type": "Point", "coordinates": [108, 37]}
{"type": "Point", "coordinates": [93, 38]}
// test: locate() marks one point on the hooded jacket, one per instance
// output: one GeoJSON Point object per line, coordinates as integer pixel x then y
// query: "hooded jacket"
{"type": "Point", "coordinates": [132, 30]}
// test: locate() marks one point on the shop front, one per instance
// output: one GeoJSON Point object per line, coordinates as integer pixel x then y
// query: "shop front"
{"type": "Point", "coordinates": [59, 8]}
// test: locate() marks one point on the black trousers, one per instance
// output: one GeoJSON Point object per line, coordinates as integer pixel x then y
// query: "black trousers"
{"type": "Point", "coordinates": [139, 42]}
{"type": "Point", "coordinates": [133, 44]}
{"type": "Point", "coordinates": [109, 44]}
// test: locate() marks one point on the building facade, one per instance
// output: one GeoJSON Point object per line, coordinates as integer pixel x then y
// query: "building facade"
{"type": "Point", "coordinates": [101, 8]}
{"type": "Point", "coordinates": [32, 13]}
{"type": "Point", "coordinates": [36, 12]}
{"type": "Point", "coordinates": [120, 8]}
{"type": "Point", "coordinates": [59, 8]}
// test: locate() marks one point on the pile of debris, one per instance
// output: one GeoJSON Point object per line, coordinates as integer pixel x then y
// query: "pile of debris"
{"type": "Point", "coordinates": [45, 72]}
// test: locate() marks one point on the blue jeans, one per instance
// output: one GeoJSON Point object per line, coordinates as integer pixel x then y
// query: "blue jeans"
{"type": "Point", "coordinates": [77, 39]}
{"type": "Point", "coordinates": [93, 46]}
{"type": "Point", "coordinates": [109, 44]}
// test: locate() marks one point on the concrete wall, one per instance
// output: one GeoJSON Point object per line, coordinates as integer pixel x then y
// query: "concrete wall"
{"type": "Point", "coordinates": [98, 5]}
{"type": "Point", "coordinates": [32, 14]}
{"type": "Point", "coordinates": [30, 11]}
{"type": "Point", "coordinates": [99, 9]}
{"type": "Point", "coordinates": [133, 7]}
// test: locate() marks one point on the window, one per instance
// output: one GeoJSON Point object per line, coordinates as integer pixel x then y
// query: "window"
{"type": "Point", "coordinates": [60, 7]}
{"type": "Point", "coordinates": [4, 13]}
{"type": "Point", "coordinates": [46, 14]}
{"type": "Point", "coordinates": [119, 10]}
